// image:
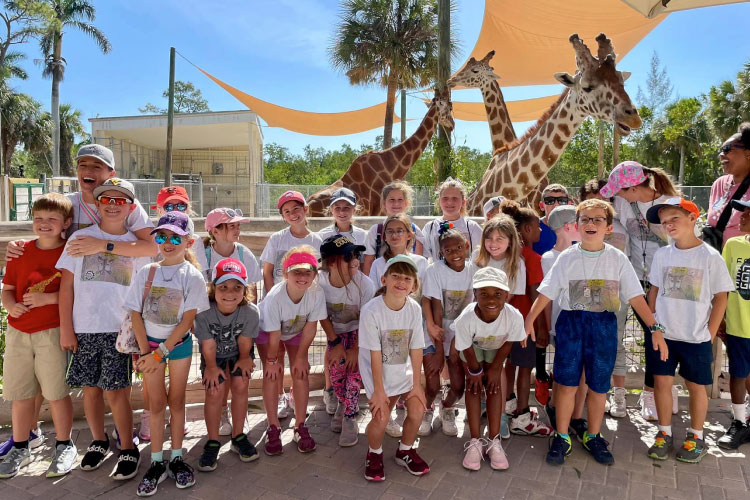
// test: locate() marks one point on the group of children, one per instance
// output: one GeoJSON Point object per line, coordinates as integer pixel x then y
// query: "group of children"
{"type": "Point", "coordinates": [474, 304]}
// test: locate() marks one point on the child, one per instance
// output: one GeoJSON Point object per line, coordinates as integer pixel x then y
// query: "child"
{"type": "Point", "coordinates": [226, 332]}
{"type": "Point", "coordinates": [690, 283]}
{"type": "Point", "coordinates": [492, 207]}
{"type": "Point", "coordinates": [553, 196]}
{"type": "Point", "coordinates": [397, 199]}
{"type": "Point", "coordinates": [346, 291]}
{"type": "Point", "coordinates": [289, 315]}
{"type": "Point", "coordinates": [390, 356]}
{"type": "Point", "coordinates": [223, 228]}
{"type": "Point", "coordinates": [447, 291]}
{"type": "Point", "coordinates": [589, 278]}
{"type": "Point", "coordinates": [33, 357]}
{"type": "Point", "coordinates": [452, 201]}
{"type": "Point", "coordinates": [398, 239]}
{"type": "Point", "coordinates": [92, 294]}
{"type": "Point", "coordinates": [485, 332]}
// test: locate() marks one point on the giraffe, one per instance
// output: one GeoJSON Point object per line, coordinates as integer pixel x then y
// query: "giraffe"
{"type": "Point", "coordinates": [597, 89]}
{"type": "Point", "coordinates": [370, 172]}
{"type": "Point", "coordinates": [479, 74]}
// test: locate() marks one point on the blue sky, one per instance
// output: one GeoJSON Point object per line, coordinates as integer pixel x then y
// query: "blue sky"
{"type": "Point", "coordinates": [276, 50]}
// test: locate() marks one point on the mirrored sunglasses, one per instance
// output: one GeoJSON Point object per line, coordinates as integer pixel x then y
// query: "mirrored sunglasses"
{"type": "Point", "coordinates": [114, 200]}
{"type": "Point", "coordinates": [174, 239]}
{"type": "Point", "coordinates": [171, 207]}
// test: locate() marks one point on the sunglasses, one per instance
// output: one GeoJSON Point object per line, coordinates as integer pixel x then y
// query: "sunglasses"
{"type": "Point", "coordinates": [113, 200]}
{"type": "Point", "coordinates": [551, 200]}
{"type": "Point", "coordinates": [174, 239]}
{"type": "Point", "coordinates": [233, 212]}
{"type": "Point", "coordinates": [171, 207]}
{"type": "Point", "coordinates": [726, 148]}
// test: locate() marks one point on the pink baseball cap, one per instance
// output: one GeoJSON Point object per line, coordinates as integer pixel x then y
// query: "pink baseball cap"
{"type": "Point", "coordinates": [290, 196]}
{"type": "Point", "coordinates": [300, 260]}
{"type": "Point", "coordinates": [626, 174]}
{"type": "Point", "coordinates": [223, 216]}
{"type": "Point", "coordinates": [230, 269]}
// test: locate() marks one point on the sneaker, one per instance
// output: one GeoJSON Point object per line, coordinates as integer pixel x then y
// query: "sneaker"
{"type": "Point", "coordinates": [209, 458]}
{"type": "Point", "coordinates": [426, 426]}
{"type": "Point", "coordinates": [281, 407]}
{"type": "Point", "coordinates": [473, 454]}
{"type": "Point", "coordinates": [597, 447]}
{"type": "Point", "coordinates": [528, 424]}
{"type": "Point", "coordinates": [496, 454]}
{"type": "Point", "coordinates": [338, 418]}
{"type": "Point", "coordinates": [747, 407]}
{"type": "Point", "coordinates": [242, 446]}
{"type": "Point", "coordinates": [290, 401]}
{"type": "Point", "coordinates": [617, 403]}
{"type": "Point", "coordinates": [330, 400]}
{"type": "Point", "coordinates": [14, 460]}
{"type": "Point", "coordinates": [95, 454]}
{"type": "Point", "coordinates": [116, 437]}
{"type": "Point", "coordinates": [551, 416]}
{"type": "Point", "coordinates": [127, 464]}
{"type": "Point", "coordinates": [737, 434]}
{"type": "Point", "coordinates": [578, 427]}
{"type": "Point", "coordinates": [504, 429]}
{"type": "Point", "coordinates": [182, 473]}
{"type": "Point", "coordinates": [36, 438]}
{"type": "Point", "coordinates": [225, 425]}
{"type": "Point", "coordinates": [305, 442]}
{"type": "Point", "coordinates": [676, 399]}
{"type": "Point", "coordinates": [349, 432]}
{"type": "Point", "coordinates": [374, 470]}
{"type": "Point", "coordinates": [559, 448]}
{"type": "Point", "coordinates": [648, 406]}
{"type": "Point", "coordinates": [448, 419]}
{"type": "Point", "coordinates": [144, 431]}
{"type": "Point", "coordinates": [541, 389]}
{"type": "Point", "coordinates": [273, 441]}
{"type": "Point", "coordinates": [63, 460]}
{"type": "Point", "coordinates": [413, 463]}
{"type": "Point", "coordinates": [511, 405]}
{"type": "Point", "coordinates": [155, 474]}
{"type": "Point", "coordinates": [393, 429]}
{"type": "Point", "coordinates": [693, 450]}
{"type": "Point", "coordinates": [663, 444]}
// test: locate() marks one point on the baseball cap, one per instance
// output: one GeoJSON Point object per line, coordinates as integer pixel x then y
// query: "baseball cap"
{"type": "Point", "coordinates": [740, 205]}
{"type": "Point", "coordinates": [177, 222]}
{"type": "Point", "coordinates": [345, 194]}
{"type": "Point", "coordinates": [301, 260]}
{"type": "Point", "coordinates": [224, 216]}
{"type": "Point", "coordinates": [492, 204]}
{"type": "Point", "coordinates": [116, 184]}
{"type": "Point", "coordinates": [338, 245]}
{"type": "Point", "coordinates": [653, 213]}
{"type": "Point", "coordinates": [171, 193]}
{"type": "Point", "coordinates": [626, 174]}
{"type": "Point", "coordinates": [98, 151]}
{"type": "Point", "coordinates": [561, 215]}
{"type": "Point", "coordinates": [400, 258]}
{"type": "Point", "coordinates": [490, 276]}
{"type": "Point", "coordinates": [230, 269]}
{"type": "Point", "coordinates": [290, 196]}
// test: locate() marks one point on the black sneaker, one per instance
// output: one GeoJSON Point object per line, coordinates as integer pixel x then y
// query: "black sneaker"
{"type": "Point", "coordinates": [182, 473]}
{"type": "Point", "coordinates": [737, 434]}
{"type": "Point", "coordinates": [242, 446]}
{"type": "Point", "coordinates": [559, 448]}
{"type": "Point", "coordinates": [578, 427]}
{"type": "Point", "coordinates": [209, 458]}
{"type": "Point", "coordinates": [597, 447]}
{"type": "Point", "coordinates": [551, 416]}
{"type": "Point", "coordinates": [127, 464]}
{"type": "Point", "coordinates": [154, 476]}
{"type": "Point", "coordinates": [95, 454]}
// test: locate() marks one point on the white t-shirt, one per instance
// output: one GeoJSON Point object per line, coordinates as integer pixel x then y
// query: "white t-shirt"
{"type": "Point", "coordinates": [519, 286]}
{"type": "Point", "coordinates": [100, 283]}
{"type": "Point", "coordinates": [470, 229]}
{"type": "Point", "coordinates": [394, 334]}
{"type": "Point", "coordinates": [344, 304]}
{"type": "Point", "coordinates": [471, 330]}
{"type": "Point", "coordinates": [548, 259]}
{"type": "Point", "coordinates": [688, 281]}
{"type": "Point", "coordinates": [175, 289]}
{"type": "Point", "coordinates": [378, 267]}
{"type": "Point", "coordinates": [619, 238]}
{"type": "Point", "coordinates": [591, 281]}
{"type": "Point", "coordinates": [372, 234]}
{"type": "Point", "coordinates": [209, 270]}
{"type": "Point", "coordinates": [453, 290]}
{"type": "Point", "coordinates": [280, 243]}
{"type": "Point", "coordinates": [357, 234]}
{"type": "Point", "coordinates": [138, 218]}
{"type": "Point", "coordinates": [643, 235]}
{"type": "Point", "coordinates": [278, 312]}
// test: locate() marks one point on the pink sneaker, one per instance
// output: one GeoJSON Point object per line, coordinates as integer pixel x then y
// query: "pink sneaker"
{"type": "Point", "coordinates": [473, 454]}
{"type": "Point", "coordinates": [496, 454]}
{"type": "Point", "coordinates": [144, 432]}
{"type": "Point", "coordinates": [305, 442]}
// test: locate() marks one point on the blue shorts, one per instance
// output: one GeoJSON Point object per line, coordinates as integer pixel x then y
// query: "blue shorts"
{"type": "Point", "coordinates": [738, 351]}
{"type": "Point", "coordinates": [585, 342]}
{"type": "Point", "coordinates": [694, 360]}
{"type": "Point", "coordinates": [182, 350]}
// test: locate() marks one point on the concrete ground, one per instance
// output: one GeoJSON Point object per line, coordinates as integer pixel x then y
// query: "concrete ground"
{"type": "Point", "coordinates": [334, 472]}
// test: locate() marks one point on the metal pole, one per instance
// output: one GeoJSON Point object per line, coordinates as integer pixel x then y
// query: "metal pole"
{"type": "Point", "coordinates": [444, 71]}
{"type": "Point", "coordinates": [170, 120]}
{"type": "Point", "coordinates": [403, 114]}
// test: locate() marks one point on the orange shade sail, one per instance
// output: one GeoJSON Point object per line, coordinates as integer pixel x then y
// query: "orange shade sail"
{"type": "Point", "coordinates": [519, 111]}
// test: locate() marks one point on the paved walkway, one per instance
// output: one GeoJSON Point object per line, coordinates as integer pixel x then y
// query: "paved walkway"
{"type": "Point", "coordinates": [333, 472]}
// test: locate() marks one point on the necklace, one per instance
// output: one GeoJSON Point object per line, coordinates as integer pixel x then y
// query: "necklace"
{"type": "Point", "coordinates": [588, 285]}
{"type": "Point", "coordinates": [164, 277]}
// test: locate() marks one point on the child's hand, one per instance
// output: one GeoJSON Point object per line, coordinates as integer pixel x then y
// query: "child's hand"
{"type": "Point", "coordinates": [36, 299]}
{"type": "Point", "coordinates": [379, 407]}
{"type": "Point", "coordinates": [473, 383]}
{"type": "Point", "coordinates": [657, 340]}
{"type": "Point", "coordinates": [17, 310]}
{"type": "Point", "coordinates": [148, 364]}
{"type": "Point", "coordinates": [245, 366]}
{"type": "Point", "coordinates": [722, 331]}
{"type": "Point", "coordinates": [337, 355]}
{"type": "Point", "coordinates": [417, 392]}
{"type": "Point", "coordinates": [493, 380]}
{"type": "Point", "coordinates": [68, 340]}
{"type": "Point", "coordinates": [14, 249]}
{"type": "Point", "coordinates": [542, 339]}
{"type": "Point", "coordinates": [301, 366]}
{"type": "Point", "coordinates": [85, 245]}
{"type": "Point", "coordinates": [352, 358]}
{"type": "Point", "coordinates": [529, 327]}
{"type": "Point", "coordinates": [272, 370]}
{"type": "Point", "coordinates": [210, 378]}
{"type": "Point", "coordinates": [436, 333]}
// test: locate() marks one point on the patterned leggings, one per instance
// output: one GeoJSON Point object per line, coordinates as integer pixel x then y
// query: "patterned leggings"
{"type": "Point", "coordinates": [347, 383]}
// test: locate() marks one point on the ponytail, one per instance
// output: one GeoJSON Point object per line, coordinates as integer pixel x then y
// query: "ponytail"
{"type": "Point", "coordinates": [190, 257]}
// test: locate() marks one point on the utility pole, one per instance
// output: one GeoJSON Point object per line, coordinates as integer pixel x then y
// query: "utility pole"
{"type": "Point", "coordinates": [170, 120]}
{"type": "Point", "coordinates": [444, 70]}
{"type": "Point", "coordinates": [403, 115]}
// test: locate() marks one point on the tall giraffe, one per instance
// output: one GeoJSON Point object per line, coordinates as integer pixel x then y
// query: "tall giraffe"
{"type": "Point", "coordinates": [370, 172]}
{"type": "Point", "coordinates": [597, 89]}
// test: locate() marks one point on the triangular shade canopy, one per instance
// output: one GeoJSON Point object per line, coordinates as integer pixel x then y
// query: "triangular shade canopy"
{"type": "Point", "coordinates": [652, 8]}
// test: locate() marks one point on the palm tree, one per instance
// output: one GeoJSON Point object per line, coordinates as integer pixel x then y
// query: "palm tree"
{"type": "Point", "coordinates": [729, 103]}
{"type": "Point", "coordinates": [388, 42]}
{"type": "Point", "coordinates": [67, 14]}
{"type": "Point", "coordinates": [70, 128]}
{"type": "Point", "coordinates": [22, 123]}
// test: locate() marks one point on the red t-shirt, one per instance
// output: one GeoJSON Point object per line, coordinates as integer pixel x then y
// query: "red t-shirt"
{"type": "Point", "coordinates": [35, 267]}
{"type": "Point", "coordinates": [534, 276]}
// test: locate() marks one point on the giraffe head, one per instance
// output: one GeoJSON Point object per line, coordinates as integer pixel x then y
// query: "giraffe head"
{"type": "Point", "coordinates": [475, 74]}
{"type": "Point", "coordinates": [598, 88]}
{"type": "Point", "coordinates": [442, 101]}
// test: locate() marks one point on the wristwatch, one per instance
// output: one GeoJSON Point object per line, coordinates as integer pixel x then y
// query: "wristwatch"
{"type": "Point", "coordinates": [110, 246]}
{"type": "Point", "coordinates": [333, 343]}
{"type": "Point", "coordinates": [657, 327]}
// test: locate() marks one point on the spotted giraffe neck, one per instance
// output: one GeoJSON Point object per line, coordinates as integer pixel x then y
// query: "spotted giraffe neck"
{"type": "Point", "coordinates": [498, 118]}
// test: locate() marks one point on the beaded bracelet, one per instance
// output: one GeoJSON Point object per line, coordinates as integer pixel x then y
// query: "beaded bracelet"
{"type": "Point", "coordinates": [481, 370]}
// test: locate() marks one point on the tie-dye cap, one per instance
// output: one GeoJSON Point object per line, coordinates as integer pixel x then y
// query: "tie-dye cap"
{"type": "Point", "coordinates": [626, 174]}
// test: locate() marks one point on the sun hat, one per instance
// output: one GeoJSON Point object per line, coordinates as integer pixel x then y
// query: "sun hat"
{"type": "Point", "coordinates": [626, 174]}
{"type": "Point", "coordinates": [177, 222]}
{"type": "Point", "coordinates": [230, 269]}
{"type": "Point", "coordinates": [290, 196]}
{"type": "Point", "coordinates": [300, 260]}
{"type": "Point", "coordinates": [99, 152]}
{"type": "Point", "coordinates": [116, 184]}
{"type": "Point", "coordinates": [492, 204]}
{"type": "Point", "coordinates": [400, 258]}
{"type": "Point", "coordinates": [171, 193]}
{"type": "Point", "coordinates": [338, 245]}
{"type": "Point", "coordinates": [652, 215]}
{"type": "Point", "coordinates": [561, 215]}
{"type": "Point", "coordinates": [224, 216]}
{"type": "Point", "coordinates": [344, 194]}
{"type": "Point", "coordinates": [490, 276]}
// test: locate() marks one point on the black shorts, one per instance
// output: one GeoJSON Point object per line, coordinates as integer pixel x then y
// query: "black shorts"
{"type": "Point", "coordinates": [738, 352]}
{"type": "Point", "coordinates": [694, 360]}
{"type": "Point", "coordinates": [98, 364]}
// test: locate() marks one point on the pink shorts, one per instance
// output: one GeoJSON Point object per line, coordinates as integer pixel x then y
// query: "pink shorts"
{"type": "Point", "coordinates": [263, 338]}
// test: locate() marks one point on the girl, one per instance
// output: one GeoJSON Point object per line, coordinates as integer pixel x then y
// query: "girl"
{"type": "Point", "coordinates": [390, 356]}
{"type": "Point", "coordinates": [447, 290]}
{"type": "Point", "coordinates": [346, 291]}
{"type": "Point", "coordinates": [398, 197]}
{"type": "Point", "coordinates": [226, 331]}
{"type": "Point", "coordinates": [398, 239]}
{"type": "Point", "coordinates": [162, 318]}
{"type": "Point", "coordinates": [485, 332]}
{"type": "Point", "coordinates": [452, 201]}
{"type": "Point", "coordinates": [223, 228]}
{"type": "Point", "coordinates": [289, 315]}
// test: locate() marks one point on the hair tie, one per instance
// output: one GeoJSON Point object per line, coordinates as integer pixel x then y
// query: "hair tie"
{"type": "Point", "coordinates": [443, 227]}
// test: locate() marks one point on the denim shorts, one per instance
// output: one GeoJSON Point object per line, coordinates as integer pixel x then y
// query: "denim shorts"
{"type": "Point", "coordinates": [694, 360]}
{"type": "Point", "coordinates": [738, 351]}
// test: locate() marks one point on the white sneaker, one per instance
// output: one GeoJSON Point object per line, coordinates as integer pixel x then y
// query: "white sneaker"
{"type": "Point", "coordinates": [448, 419]}
{"type": "Point", "coordinates": [511, 405]}
{"type": "Point", "coordinates": [473, 454]}
{"type": "Point", "coordinates": [617, 402]}
{"type": "Point", "coordinates": [331, 401]}
{"type": "Point", "coordinates": [528, 424]}
{"type": "Point", "coordinates": [648, 406]}
{"type": "Point", "coordinates": [496, 454]}
{"type": "Point", "coordinates": [676, 399]}
{"type": "Point", "coordinates": [747, 406]}
{"type": "Point", "coordinates": [225, 427]}
{"type": "Point", "coordinates": [290, 401]}
{"type": "Point", "coordinates": [393, 429]}
{"type": "Point", "coordinates": [281, 407]}
{"type": "Point", "coordinates": [36, 442]}
{"type": "Point", "coordinates": [426, 426]}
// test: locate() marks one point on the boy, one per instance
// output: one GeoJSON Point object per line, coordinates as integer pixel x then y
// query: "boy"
{"type": "Point", "coordinates": [689, 286]}
{"type": "Point", "coordinates": [736, 255]}
{"type": "Point", "coordinates": [589, 279]}
{"type": "Point", "coordinates": [553, 196]}
{"type": "Point", "coordinates": [92, 294]}
{"type": "Point", "coordinates": [33, 357]}
{"type": "Point", "coordinates": [492, 207]}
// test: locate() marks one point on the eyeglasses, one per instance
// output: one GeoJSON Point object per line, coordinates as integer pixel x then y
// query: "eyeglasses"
{"type": "Point", "coordinates": [174, 239]}
{"type": "Point", "coordinates": [597, 221]}
{"type": "Point", "coordinates": [114, 200]}
{"type": "Point", "coordinates": [551, 200]}
{"type": "Point", "coordinates": [395, 232]}
{"type": "Point", "coordinates": [726, 148]}
{"type": "Point", "coordinates": [171, 207]}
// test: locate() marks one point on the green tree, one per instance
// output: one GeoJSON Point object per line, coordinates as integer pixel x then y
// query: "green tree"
{"type": "Point", "coordinates": [659, 89]}
{"type": "Point", "coordinates": [23, 123]}
{"type": "Point", "coordinates": [19, 22]}
{"type": "Point", "coordinates": [387, 42]}
{"type": "Point", "coordinates": [187, 99]}
{"type": "Point", "coordinates": [728, 104]}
